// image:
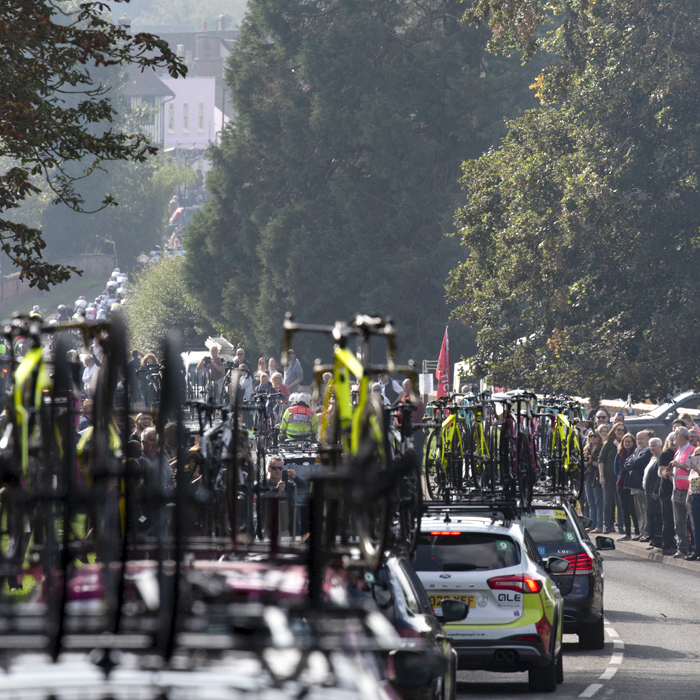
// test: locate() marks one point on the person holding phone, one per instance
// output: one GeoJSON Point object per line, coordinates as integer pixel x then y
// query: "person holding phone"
{"type": "Point", "coordinates": [288, 485]}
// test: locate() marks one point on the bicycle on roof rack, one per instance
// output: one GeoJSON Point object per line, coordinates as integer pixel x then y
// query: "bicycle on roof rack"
{"type": "Point", "coordinates": [407, 497]}
{"type": "Point", "coordinates": [445, 454]}
{"type": "Point", "coordinates": [566, 448]}
{"type": "Point", "coordinates": [482, 429]}
{"type": "Point", "coordinates": [518, 456]}
{"type": "Point", "coordinates": [354, 496]}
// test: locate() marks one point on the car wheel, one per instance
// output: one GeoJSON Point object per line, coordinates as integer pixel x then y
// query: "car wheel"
{"type": "Point", "coordinates": [592, 636]}
{"type": "Point", "coordinates": [560, 667]}
{"type": "Point", "coordinates": [543, 679]}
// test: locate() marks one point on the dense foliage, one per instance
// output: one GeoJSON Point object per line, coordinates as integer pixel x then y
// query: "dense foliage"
{"type": "Point", "coordinates": [582, 229]}
{"type": "Point", "coordinates": [50, 106]}
{"type": "Point", "coordinates": [159, 302]}
{"type": "Point", "coordinates": [333, 191]}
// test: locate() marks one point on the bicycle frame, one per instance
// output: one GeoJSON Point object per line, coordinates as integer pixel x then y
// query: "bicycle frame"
{"type": "Point", "coordinates": [481, 445]}
{"type": "Point", "coordinates": [563, 427]}
{"type": "Point", "coordinates": [447, 431]}
{"type": "Point", "coordinates": [345, 364]}
{"type": "Point", "coordinates": [32, 369]}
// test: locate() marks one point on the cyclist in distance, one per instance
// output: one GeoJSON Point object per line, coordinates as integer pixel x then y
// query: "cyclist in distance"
{"type": "Point", "coordinates": [299, 421]}
{"type": "Point", "coordinates": [64, 315]}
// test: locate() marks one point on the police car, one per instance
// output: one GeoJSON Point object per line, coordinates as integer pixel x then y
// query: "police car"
{"type": "Point", "coordinates": [490, 562]}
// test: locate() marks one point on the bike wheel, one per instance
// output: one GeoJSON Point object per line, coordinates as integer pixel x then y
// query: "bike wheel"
{"type": "Point", "coordinates": [557, 467]}
{"type": "Point", "coordinates": [525, 471]}
{"type": "Point", "coordinates": [574, 474]}
{"type": "Point", "coordinates": [239, 461]}
{"type": "Point", "coordinates": [473, 466]}
{"type": "Point", "coordinates": [63, 408]}
{"type": "Point", "coordinates": [370, 465]}
{"type": "Point", "coordinates": [506, 452]}
{"type": "Point", "coordinates": [433, 473]}
{"type": "Point", "coordinates": [455, 462]}
{"type": "Point", "coordinates": [12, 494]}
{"type": "Point", "coordinates": [170, 411]}
{"type": "Point", "coordinates": [491, 476]}
{"type": "Point", "coordinates": [544, 448]}
{"type": "Point", "coordinates": [410, 502]}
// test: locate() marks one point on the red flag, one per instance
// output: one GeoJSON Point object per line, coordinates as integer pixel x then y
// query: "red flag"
{"type": "Point", "coordinates": [442, 373]}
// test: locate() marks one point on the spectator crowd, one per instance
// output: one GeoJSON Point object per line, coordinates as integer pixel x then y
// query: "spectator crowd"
{"type": "Point", "coordinates": [644, 488]}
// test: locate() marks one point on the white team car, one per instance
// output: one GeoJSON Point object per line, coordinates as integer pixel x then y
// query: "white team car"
{"type": "Point", "coordinates": [515, 610]}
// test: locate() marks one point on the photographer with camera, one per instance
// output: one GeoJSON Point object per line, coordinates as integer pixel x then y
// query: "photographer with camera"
{"type": "Point", "coordinates": [214, 368]}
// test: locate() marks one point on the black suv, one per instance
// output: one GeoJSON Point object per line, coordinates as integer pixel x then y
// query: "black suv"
{"type": "Point", "coordinates": [559, 531]}
{"type": "Point", "coordinates": [660, 418]}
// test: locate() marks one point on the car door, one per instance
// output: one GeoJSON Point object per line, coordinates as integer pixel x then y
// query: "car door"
{"type": "Point", "coordinates": [418, 602]}
{"type": "Point", "coordinates": [552, 606]}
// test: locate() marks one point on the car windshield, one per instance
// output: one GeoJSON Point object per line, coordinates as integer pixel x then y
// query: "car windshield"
{"type": "Point", "coordinates": [658, 411]}
{"type": "Point", "coordinates": [550, 526]}
{"type": "Point", "coordinates": [465, 551]}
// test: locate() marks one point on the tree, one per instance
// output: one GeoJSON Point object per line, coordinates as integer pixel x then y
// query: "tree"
{"type": "Point", "coordinates": [143, 191]}
{"type": "Point", "coordinates": [160, 302]}
{"type": "Point", "coordinates": [581, 229]}
{"type": "Point", "coordinates": [51, 106]}
{"type": "Point", "coordinates": [334, 189]}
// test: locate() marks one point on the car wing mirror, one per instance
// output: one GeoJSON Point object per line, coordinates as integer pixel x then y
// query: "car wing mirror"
{"type": "Point", "coordinates": [453, 610]}
{"type": "Point", "coordinates": [382, 595]}
{"type": "Point", "coordinates": [604, 543]}
{"type": "Point", "coordinates": [585, 521]}
{"type": "Point", "coordinates": [556, 565]}
{"type": "Point", "coordinates": [415, 669]}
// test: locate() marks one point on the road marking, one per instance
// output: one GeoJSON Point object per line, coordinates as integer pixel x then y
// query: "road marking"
{"type": "Point", "coordinates": [591, 690]}
{"type": "Point", "coordinates": [613, 664]}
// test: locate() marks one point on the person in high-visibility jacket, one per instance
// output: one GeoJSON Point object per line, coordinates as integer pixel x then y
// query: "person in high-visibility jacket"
{"type": "Point", "coordinates": [299, 421]}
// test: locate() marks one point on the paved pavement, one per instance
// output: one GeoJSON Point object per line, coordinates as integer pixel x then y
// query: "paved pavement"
{"type": "Point", "coordinates": [652, 649]}
{"type": "Point", "coordinates": [641, 550]}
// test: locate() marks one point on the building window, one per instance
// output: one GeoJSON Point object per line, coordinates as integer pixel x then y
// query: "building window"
{"type": "Point", "coordinates": [200, 118]}
{"type": "Point", "coordinates": [186, 118]}
{"type": "Point", "coordinates": [171, 118]}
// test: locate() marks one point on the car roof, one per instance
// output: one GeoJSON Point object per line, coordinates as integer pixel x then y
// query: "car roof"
{"type": "Point", "coordinates": [459, 522]}
{"type": "Point", "coordinates": [544, 503]}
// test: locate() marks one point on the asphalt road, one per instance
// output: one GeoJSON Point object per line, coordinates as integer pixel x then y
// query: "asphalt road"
{"type": "Point", "coordinates": [652, 645]}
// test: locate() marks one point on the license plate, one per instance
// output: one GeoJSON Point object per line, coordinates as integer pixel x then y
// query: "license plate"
{"type": "Point", "coordinates": [435, 600]}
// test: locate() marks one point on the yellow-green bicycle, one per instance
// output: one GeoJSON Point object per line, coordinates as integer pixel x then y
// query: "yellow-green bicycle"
{"type": "Point", "coordinates": [354, 436]}
{"type": "Point", "coordinates": [445, 452]}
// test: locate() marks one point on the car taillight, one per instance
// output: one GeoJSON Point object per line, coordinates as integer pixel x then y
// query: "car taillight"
{"type": "Point", "coordinates": [445, 533]}
{"type": "Point", "coordinates": [518, 582]}
{"type": "Point", "coordinates": [579, 563]}
{"type": "Point", "coordinates": [408, 632]}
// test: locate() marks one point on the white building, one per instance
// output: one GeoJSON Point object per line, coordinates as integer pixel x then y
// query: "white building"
{"type": "Point", "coordinates": [147, 90]}
{"type": "Point", "coordinates": [193, 120]}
